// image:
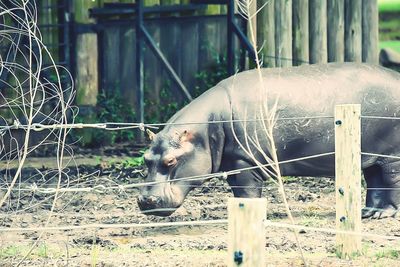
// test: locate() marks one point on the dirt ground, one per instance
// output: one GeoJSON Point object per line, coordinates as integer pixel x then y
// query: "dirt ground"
{"type": "Point", "coordinates": [312, 202]}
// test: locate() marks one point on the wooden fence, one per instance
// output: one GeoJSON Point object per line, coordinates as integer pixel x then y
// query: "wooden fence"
{"type": "Point", "coordinates": [294, 32]}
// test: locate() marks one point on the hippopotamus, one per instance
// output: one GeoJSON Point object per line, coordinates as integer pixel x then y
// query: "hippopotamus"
{"type": "Point", "coordinates": [224, 129]}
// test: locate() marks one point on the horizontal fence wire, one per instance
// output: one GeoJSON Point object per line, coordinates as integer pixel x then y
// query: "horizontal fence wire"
{"type": "Point", "coordinates": [267, 223]}
{"type": "Point", "coordinates": [380, 117]}
{"type": "Point", "coordinates": [108, 226]}
{"type": "Point", "coordinates": [380, 155]}
{"type": "Point", "coordinates": [223, 175]}
{"type": "Point", "coordinates": [114, 126]}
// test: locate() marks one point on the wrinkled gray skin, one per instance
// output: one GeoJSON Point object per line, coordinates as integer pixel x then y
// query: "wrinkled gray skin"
{"type": "Point", "coordinates": [195, 149]}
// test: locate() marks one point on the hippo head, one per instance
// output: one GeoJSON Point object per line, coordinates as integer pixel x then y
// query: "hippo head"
{"type": "Point", "coordinates": [173, 155]}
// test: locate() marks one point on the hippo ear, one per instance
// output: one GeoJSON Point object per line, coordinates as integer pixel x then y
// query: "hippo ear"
{"type": "Point", "coordinates": [186, 136]}
{"type": "Point", "coordinates": [150, 134]}
{"type": "Point", "coordinates": [216, 140]}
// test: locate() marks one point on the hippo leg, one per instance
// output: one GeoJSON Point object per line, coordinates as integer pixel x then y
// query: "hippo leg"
{"type": "Point", "coordinates": [247, 184]}
{"type": "Point", "coordinates": [381, 201]}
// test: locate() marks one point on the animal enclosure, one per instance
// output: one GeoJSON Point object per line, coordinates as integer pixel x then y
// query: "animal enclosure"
{"type": "Point", "coordinates": [66, 205]}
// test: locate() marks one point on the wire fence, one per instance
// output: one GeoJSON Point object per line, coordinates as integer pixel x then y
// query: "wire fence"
{"type": "Point", "coordinates": [41, 104]}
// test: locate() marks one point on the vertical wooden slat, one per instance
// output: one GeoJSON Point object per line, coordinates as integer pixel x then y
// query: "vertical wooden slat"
{"type": "Point", "coordinates": [86, 80]}
{"type": "Point", "coordinates": [352, 30]}
{"type": "Point", "coordinates": [266, 32]}
{"type": "Point", "coordinates": [370, 32]}
{"type": "Point", "coordinates": [170, 45]}
{"type": "Point", "coordinates": [348, 178]}
{"type": "Point", "coordinates": [153, 71]}
{"type": "Point", "coordinates": [246, 232]}
{"type": "Point", "coordinates": [335, 30]}
{"type": "Point", "coordinates": [300, 32]}
{"type": "Point", "coordinates": [318, 31]}
{"type": "Point", "coordinates": [283, 33]}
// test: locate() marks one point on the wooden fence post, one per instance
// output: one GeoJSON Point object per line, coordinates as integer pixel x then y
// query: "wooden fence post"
{"type": "Point", "coordinates": [300, 32]}
{"type": "Point", "coordinates": [86, 81]}
{"type": "Point", "coordinates": [266, 32]}
{"type": "Point", "coordinates": [246, 230]}
{"type": "Point", "coordinates": [370, 35]}
{"type": "Point", "coordinates": [335, 31]}
{"type": "Point", "coordinates": [353, 31]}
{"type": "Point", "coordinates": [348, 178]}
{"type": "Point", "coordinates": [318, 31]}
{"type": "Point", "coordinates": [283, 33]}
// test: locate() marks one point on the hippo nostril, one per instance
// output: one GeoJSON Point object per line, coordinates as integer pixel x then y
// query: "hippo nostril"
{"type": "Point", "coordinates": [149, 200]}
{"type": "Point", "coordinates": [153, 200]}
{"type": "Point", "coordinates": [140, 199]}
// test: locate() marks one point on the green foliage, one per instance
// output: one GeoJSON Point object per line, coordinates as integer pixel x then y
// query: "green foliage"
{"type": "Point", "coordinates": [9, 251]}
{"type": "Point", "coordinates": [162, 111]}
{"type": "Point", "coordinates": [391, 254]}
{"type": "Point", "coordinates": [168, 104]}
{"type": "Point", "coordinates": [209, 77]}
{"type": "Point", "coordinates": [42, 251]}
{"type": "Point", "coordinates": [113, 108]}
{"type": "Point", "coordinates": [132, 162]}
{"type": "Point", "coordinates": [110, 108]}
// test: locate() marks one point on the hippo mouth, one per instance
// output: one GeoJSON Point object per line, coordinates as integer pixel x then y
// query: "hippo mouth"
{"type": "Point", "coordinates": [152, 204]}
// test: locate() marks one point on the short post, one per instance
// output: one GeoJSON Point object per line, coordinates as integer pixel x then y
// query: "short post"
{"type": "Point", "coordinates": [246, 230]}
{"type": "Point", "coordinates": [348, 179]}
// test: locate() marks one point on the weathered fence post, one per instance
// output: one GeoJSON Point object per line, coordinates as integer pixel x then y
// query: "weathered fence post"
{"type": "Point", "coordinates": [246, 230]}
{"type": "Point", "coordinates": [266, 32]}
{"type": "Point", "coordinates": [352, 31]}
{"type": "Point", "coordinates": [300, 32]}
{"type": "Point", "coordinates": [336, 31]}
{"type": "Point", "coordinates": [86, 62]}
{"type": "Point", "coordinates": [348, 178]}
{"type": "Point", "coordinates": [283, 33]}
{"type": "Point", "coordinates": [370, 35]}
{"type": "Point", "coordinates": [86, 81]}
{"type": "Point", "coordinates": [318, 31]}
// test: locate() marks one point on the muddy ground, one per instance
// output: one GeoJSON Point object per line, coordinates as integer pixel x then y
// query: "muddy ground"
{"type": "Point", "coordinates": [312, 202]}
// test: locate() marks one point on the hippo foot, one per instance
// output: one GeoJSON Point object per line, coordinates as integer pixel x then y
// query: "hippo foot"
{"type": "Point", "coordinates": [379, 213]}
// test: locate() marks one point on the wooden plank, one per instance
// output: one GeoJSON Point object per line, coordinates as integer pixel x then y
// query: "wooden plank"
{"type": "Point", "coordinates": [300, 32]}
{"type": "Point", "coordinates": [283, 33]}
{"type": "Point", "coordinates": [370, 32]}
{"type": "Point", "coordinates": [352, 31]}
{"type": "Point", "coordinates": [190, 50]}
{"type": "Point", "coordinates": [336, 31]}
{"type": "Point", "coordinates": [348, 178]}
{"type": "Point", "coordinates": [112, 58]}
{"type": "Point", "coordinates": [318, 31]}
{"type": "Point", "coordinates": [86, 79]}
{"type": "Point", "coordinates": [126, 69]}
{"type": "Point", "coordinates": [246, 231]}
{"type": "Point", "coordinates": [266, 32]}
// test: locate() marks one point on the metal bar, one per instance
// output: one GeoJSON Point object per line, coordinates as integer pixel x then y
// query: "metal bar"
{"type": "Point", "coordinates": [130, 9]}
{"type": "Point", "coordinates": [56, 25]}
{"type": "Point", "coordinates": [245, 42]}
{"type": "Point", "coordinates": [153, 46]}
{"type": "Point", "coordinates": [230, 23]}
{"type": "Point", "coordinates": [139, 58]}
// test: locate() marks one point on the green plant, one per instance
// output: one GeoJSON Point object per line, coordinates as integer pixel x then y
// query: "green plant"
{"type": "Point", "coordinates": [42, 251]}
{"type": "Point", "coordinates": [132, 162]}
{"type": "Point", "coordinates": [10, 251]}
{"type": "Point", "coordinates": [161, 107]}
{"type": "Point", "coordinates": [111, 107]}
{"type": "Point", "coordinates": [214, 73]}
{"type": "Point", "coordinates": [391, 253]}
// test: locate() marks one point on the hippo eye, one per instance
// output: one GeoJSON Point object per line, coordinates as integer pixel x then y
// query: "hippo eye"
{"type": "Point", "coordinates": [170, 161]}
